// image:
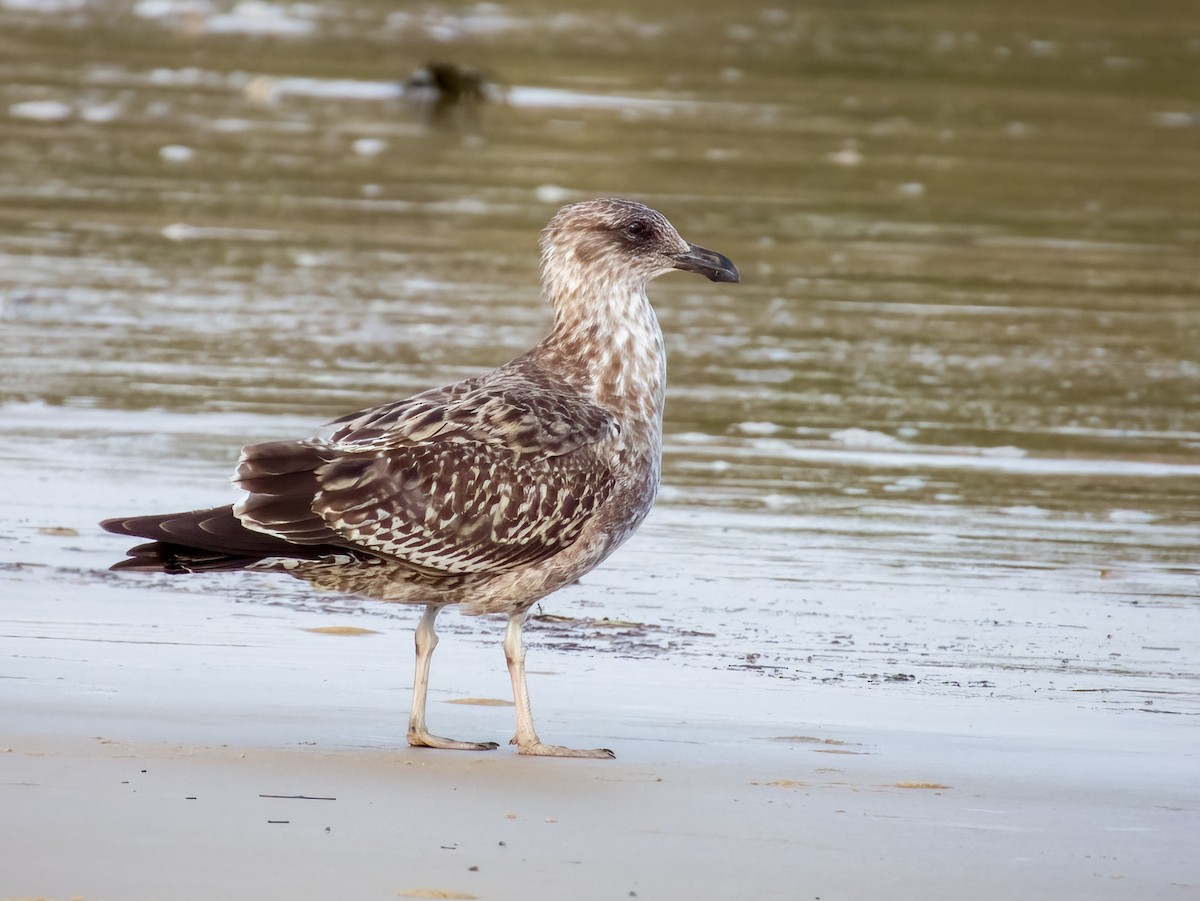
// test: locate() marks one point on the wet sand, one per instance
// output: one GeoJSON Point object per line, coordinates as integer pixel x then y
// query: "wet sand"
{"type": "Point", "coordinates": [797, 713]}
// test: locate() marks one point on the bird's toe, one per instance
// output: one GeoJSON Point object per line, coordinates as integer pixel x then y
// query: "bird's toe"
{"type": "Point", "coordinates": [537, 749]}
{"type": "Point", "coordinates": [426, 740]}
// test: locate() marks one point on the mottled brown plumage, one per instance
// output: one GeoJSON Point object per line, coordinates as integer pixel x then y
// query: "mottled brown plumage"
{"type": "Point", "coordinates": [489, 493]}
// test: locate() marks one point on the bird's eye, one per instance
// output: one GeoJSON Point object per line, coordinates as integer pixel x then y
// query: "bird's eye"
{"type": "Point", "coordinates": [638, 228]}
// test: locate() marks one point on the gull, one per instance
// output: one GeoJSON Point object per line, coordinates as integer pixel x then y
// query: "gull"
{"type": "Point", "coordinates": [487, 494]}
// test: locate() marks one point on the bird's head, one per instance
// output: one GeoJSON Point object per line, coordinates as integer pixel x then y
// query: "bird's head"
{"type": "Point", "coordinates": [620, 241]}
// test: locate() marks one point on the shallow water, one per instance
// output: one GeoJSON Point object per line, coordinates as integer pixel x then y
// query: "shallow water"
{"type": "Point", "coordinates": [963, 238]}
{"type": "Point", "coordinates": [968, 241]}
{"type": "Point", "coordinates": [965, 338]}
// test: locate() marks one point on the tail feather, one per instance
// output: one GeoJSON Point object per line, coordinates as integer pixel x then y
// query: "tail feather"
{"type": "Point", "coordinates": [203, 541]}
{"type": "Point", "coordinates": [157, 557]}
{"type": "Point", "coordinates": [280, 478]}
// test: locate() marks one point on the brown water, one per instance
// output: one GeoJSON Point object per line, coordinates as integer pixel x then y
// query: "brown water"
{"type": "Point", "coordinates": [968, 238]}
{"type": "Point", "coordinates": [958, 229]}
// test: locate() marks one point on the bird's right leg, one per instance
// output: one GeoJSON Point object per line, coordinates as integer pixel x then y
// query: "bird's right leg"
{"type": "Point", "coordinates": [418, 736]}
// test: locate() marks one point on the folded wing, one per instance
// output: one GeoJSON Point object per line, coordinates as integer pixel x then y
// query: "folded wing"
{"type": "Point", "coordinates": [476, 478]}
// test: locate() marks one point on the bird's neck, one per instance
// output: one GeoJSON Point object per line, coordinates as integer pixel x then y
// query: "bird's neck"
{"type": "Point", "coordinates": [608, 345]}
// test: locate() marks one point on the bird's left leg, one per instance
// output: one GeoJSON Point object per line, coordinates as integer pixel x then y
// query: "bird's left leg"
{"type": "Point", "coordinates": [526, 739]}
{"type": "Point", "coordinates": [418, 736]}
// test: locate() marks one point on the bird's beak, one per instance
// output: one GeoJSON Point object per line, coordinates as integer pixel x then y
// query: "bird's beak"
{"type": "Point", "coordinates": [716, 267]}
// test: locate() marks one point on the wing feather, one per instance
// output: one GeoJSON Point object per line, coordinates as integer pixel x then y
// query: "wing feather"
{"type": "Point", "coordinates": [480, 477]}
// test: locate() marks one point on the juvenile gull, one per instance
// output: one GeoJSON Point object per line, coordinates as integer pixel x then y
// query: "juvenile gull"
{"type": "Point", "coordinates": [489, 493]}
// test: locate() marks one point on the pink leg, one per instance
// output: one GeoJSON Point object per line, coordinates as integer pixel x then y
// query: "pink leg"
{"type": "Point", "coordinates": [526, 739]}
{"type": "Point", "coordinates": [418, 736]}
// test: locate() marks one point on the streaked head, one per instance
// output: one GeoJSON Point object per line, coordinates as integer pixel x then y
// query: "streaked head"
{"type": "Point", "coordinates": [614, 240]}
